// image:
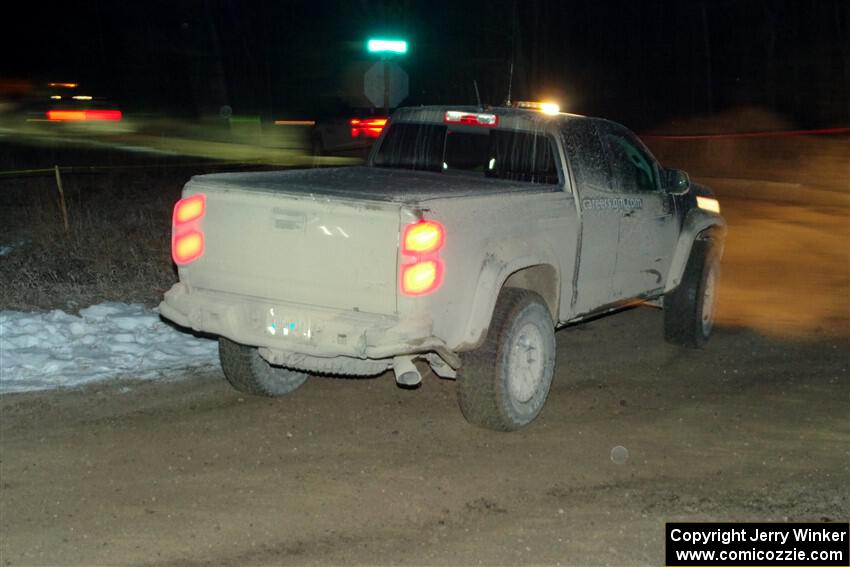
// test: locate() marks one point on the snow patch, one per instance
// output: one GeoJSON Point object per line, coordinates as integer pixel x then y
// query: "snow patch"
{"type": "Point", "coordinates": [40, 351]}
{"type": "Point", "coordinates": [6, 249]}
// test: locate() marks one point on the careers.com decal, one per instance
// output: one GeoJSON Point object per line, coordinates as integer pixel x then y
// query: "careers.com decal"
{"type": "Point", "coordinates": [618, 203]}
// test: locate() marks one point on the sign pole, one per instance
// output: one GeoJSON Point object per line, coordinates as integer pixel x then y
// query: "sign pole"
{"type": "Point", "coordinates": [386, 87]}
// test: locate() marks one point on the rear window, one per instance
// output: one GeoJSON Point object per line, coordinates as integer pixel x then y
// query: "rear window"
{"type": "Point", "coordinates": [486, 152]}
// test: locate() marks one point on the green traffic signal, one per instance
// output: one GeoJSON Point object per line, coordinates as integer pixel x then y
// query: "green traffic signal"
{"type": "Point", "coordinates": [387, 46]}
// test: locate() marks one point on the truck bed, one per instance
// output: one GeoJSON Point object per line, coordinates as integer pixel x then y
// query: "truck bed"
{"type": "Point", "coordinates": [367, 183]}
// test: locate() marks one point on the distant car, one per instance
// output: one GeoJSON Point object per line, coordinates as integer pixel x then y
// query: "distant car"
{"type": "Point", "coordinates": [347, 135]}
{"type": "Point", "coordinates": [68, 103]}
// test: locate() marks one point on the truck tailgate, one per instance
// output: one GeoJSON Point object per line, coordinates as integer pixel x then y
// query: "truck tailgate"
{"type": "Point", "coordinates": [314, 250]}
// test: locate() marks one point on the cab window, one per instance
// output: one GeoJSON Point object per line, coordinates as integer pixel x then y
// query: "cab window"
{"type": "Point", "coordinates": [470, 150]}
{"type": "Point", "coordinates": [632, 167]}
{"type": "Point", "coordinates": [587, 158]}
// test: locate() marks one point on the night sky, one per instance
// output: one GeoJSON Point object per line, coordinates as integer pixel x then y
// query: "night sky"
{"type": "Point", "coordinates": [642, 63]}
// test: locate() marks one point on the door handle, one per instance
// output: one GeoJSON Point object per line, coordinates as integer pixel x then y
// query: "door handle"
{"type": "Point", "coordinates": [629, 214]}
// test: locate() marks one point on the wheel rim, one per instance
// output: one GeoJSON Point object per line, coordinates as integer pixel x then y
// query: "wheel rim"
{"type": "Point", "coordinates": [708, 298]}
{"type": "Point", "coordinates": [525, 370]}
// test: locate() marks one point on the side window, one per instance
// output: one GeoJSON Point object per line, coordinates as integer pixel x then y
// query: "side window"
{"type": "Point", "coordinates": [522, 156]}
{"type": "Point", "coordinates": [633, 169]}
{"type": "Point", "coordinates": [585, 153]}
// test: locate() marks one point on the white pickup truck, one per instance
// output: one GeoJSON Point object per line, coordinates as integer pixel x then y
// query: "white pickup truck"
{"type": "Point", "coordinates": [468, 238]}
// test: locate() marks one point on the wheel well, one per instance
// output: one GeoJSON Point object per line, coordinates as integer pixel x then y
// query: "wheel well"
{"type": "Point", "coordinates": [541, 279]}
{"type": "Point", "coordinates": [711, 233]}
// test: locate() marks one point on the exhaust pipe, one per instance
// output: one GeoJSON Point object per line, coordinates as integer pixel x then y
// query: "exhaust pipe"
{"type": "Point", "coordinates": [406, 373]}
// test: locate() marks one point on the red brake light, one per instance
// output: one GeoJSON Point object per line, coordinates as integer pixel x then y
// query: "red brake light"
{"type": "Point", "coordinates": [189, 209]}
{"type": "Point", "coordinates": [422, 238]}
{"type": "Point", "coordinates": [471, 118]}
{"type": "Point", "coordinates": [187, 240]}
{"type": "Point", "coordinates": [421, 242]}
{"type": "Point", "coordinates": [422, 277]}
{"type": "Point", "coordinates": [66, 115]}
{"type": "Point", "coordinates": [368, 127]}
{"type": "Point", "coordinates": [103, 115]}
{"type": "Point", "coordinates": [187, 247]}
{"type": "Point", "coordinates": [82, 115]}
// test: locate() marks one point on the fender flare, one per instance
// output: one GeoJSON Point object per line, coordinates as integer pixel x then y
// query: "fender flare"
{"type": "Point", "coordinates": [697, 222]}
{"type": "Point", "coordinates": [492, 276]}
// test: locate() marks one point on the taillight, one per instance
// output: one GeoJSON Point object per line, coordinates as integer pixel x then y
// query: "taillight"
{"type": "Point", "coordinates": [188, 247]}
{"type": "Point", "coordinates": [66, 115]}
{"type": "Point", "coordinates": [421, 242]}
{"type": "Point", "coordinates": [422, 238]}
{"type": "Point", "coordinates": [189, 209]}
{"type": "Point", "coordinates": [187, 240]}
{"type": "Point", "coordinates": [83, 115]}
{"type": "Point", "coordinates": [422, 277]}
{"type": "Point", "coordinates": [368, 127]}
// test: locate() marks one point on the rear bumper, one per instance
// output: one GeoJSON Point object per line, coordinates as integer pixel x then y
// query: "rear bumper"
{"type": "Point", "coordinates": [297, 328]}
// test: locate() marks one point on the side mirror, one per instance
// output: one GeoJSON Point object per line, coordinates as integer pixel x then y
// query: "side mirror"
{"type": "Point", "coordinates": [678, 182]}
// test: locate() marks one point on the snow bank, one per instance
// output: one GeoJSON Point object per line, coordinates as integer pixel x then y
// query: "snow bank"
{"type": "Point", "coordinates": [40, 351]}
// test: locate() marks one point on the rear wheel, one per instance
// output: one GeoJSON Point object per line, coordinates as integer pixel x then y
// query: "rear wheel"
{"type": "Point", "coordinates": [689, 309]}
{"type": "Point", "coordinates": [504, 383]}
{"type": "Point", "coordinates": [249, 373]}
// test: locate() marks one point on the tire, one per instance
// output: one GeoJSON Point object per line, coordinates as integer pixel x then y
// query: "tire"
{"type": "Point", "coordinates": [249, 373]}
{"type": "Point", "coordinates": [689, 309]}
{"type": "Point", "coordinates": [496, 387]}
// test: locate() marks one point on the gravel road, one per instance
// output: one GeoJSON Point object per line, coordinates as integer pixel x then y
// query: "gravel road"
{"type": "Point", "coordinates": [636, 433]}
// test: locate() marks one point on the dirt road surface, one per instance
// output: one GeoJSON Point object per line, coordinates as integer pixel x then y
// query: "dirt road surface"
{"type": "Point", "coordinates": [188, 472]}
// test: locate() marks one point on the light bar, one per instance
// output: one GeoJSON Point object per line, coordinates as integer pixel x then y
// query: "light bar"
{"type": "Point", "coordinates": [470, 118]}
{"type": "Point", "coordinates": [81, 97]}
{"type": "Point", "coordinates": [549, 108]}
{"type": "Point", "coordinates": [386, 45]}
{"type": "Point", "coordinates": [544, 107]}
{"type": "Point", "coordinates": [63, 85]}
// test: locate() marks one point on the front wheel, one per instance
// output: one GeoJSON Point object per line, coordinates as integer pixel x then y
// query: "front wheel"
{"type": "Point", "coordinates": [249, 373]}
{"type": "Point", "coordinates": [504, 383]}
{"type": "Point", "coordinates": [689, 309]}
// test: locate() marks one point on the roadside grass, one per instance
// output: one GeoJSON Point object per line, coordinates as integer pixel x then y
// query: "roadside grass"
{"type": "Point", "coordinates": [117, 248]}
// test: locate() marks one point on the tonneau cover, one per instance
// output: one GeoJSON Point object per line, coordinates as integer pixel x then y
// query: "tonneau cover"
{"type": "Point", "coordinates": [368, 183]}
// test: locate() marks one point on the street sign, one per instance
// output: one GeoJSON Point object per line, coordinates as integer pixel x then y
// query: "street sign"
{"type": "Point", "coordinates": [385, 84]}
{"type": "Point", "coordinates": [387, 46]}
